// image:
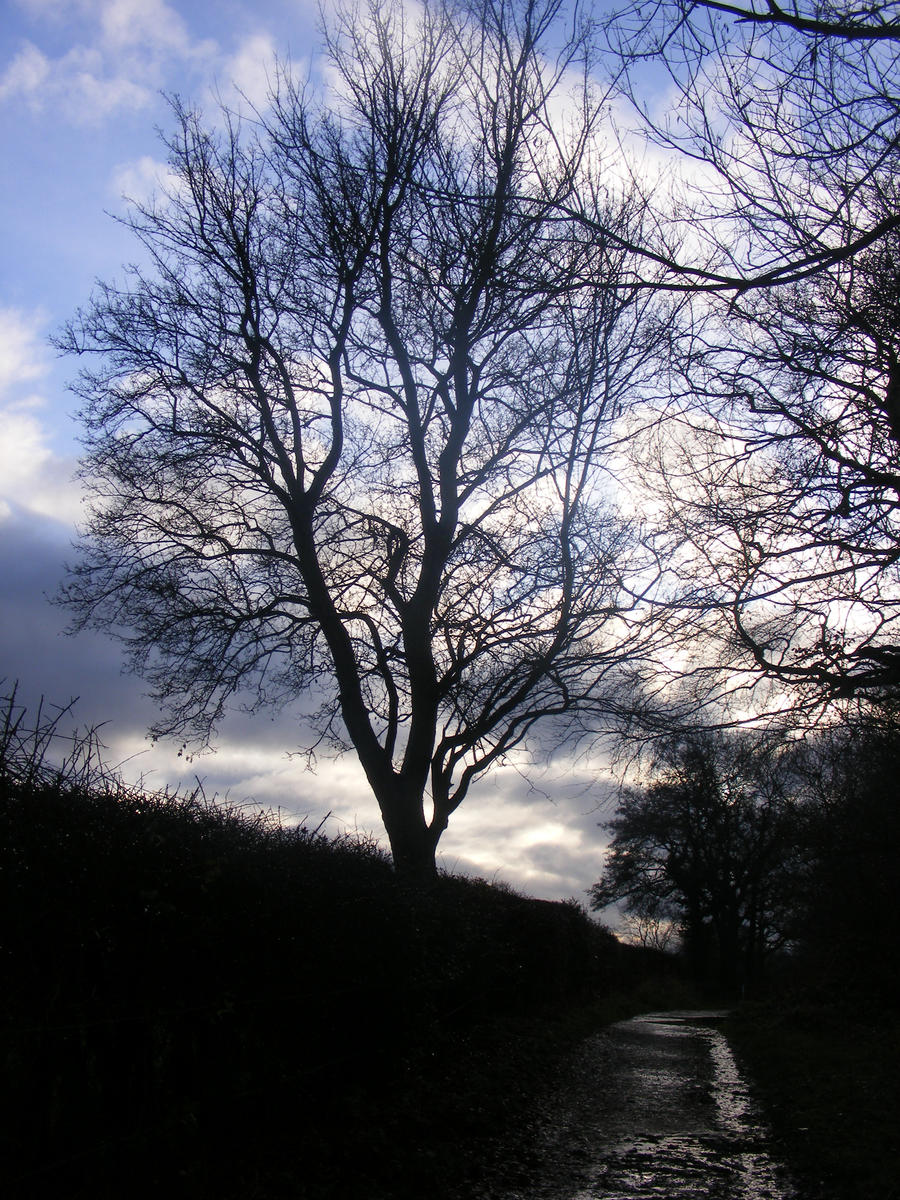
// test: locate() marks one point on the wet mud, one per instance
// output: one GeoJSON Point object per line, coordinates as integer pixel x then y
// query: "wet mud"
{"type": "Point", "coordinates": [655, 1108]}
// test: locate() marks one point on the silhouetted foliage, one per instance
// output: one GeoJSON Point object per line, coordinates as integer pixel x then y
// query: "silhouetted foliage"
{"type": "Point", "coordinates": [709, 846]}
{"type": "Point", "coordinates": [848, 897]}
{"type": "Point", "coordinates": [823, 1048]}
{"type": "Point", "coordinates": [199, 1001]}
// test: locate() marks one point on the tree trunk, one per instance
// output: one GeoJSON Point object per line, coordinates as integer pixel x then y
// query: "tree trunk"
{"type": "Point", "coordinates": [728, 939]}
{"type": "Point", "coordinates": [413, 841]}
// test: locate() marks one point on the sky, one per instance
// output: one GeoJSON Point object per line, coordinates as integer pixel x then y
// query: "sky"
{"type": "Point", "coordinates": [82, 98]}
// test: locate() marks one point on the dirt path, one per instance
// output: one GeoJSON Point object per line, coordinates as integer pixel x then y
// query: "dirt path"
{"type": "Point", "coordinates": [655, 1109]}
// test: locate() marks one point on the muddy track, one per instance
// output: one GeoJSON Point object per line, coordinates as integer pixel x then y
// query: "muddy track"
{"type": "Point", "coordinates": [654, 1108]}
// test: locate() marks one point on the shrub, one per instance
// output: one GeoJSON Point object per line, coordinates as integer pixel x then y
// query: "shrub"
{"type": "Point", "coordinates": [181, 972]}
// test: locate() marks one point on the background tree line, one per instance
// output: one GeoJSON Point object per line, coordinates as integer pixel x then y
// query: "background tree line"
{"type": "Point", "coordinates": [768, 861]}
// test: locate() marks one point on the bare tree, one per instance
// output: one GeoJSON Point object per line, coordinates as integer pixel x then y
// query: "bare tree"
{"type": "Point", "coordinates": [350, 432]}
{"type": "Point", "coordinates": [786, 117]}
{"type": "Point", "coordinates": [874, 23]}
{"type": "Point", "coordinates": [650, 933]}
{"type": "Point", "coordinates": [778, 468]}
{"type": "Point", "coordinates": [787, 487]}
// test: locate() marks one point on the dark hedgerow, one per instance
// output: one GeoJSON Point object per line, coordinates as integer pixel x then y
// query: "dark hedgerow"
{"type": "Point", "coordinates": [204, 1001]}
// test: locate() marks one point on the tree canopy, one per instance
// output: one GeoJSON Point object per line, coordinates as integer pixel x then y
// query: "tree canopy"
{"type": "Point", "coordinates": [778, 463]}
{"type": "Point", "coordinates": [709, 847]}
{"type": "Point", "coordinates": [420, 411]}
{"type": "Point", "coordinates": [350, 431]}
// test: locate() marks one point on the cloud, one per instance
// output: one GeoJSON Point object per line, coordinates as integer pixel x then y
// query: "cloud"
{"type": "Point", "coordinates": [250, 72]}
{"type": "Point", "coordinates": [26, 74]}
{"type": "Point", "coordinates": [90, 94]}
{"type": "Point", "coordinates": [126, 50]}
{"type": "Point", "coordinates": [32, 475]}
{"type": "Point", "coordinates": [32, 646]}
{"type": "Point", "coordinates": [142, 179]}
{"type": "Point", "coordinates": [119, 24]}
{"type": "Point", "coordinates": [543, 839]}
{"type": "Point", "coordinates": [24, 456]}
{"type": "Point", "coordinates": [22, 357]}
{"type": "Point", "coordinates": [123, 53]}
{"type": "Point", "coordinates": [125, 24]}
{"type": "Point", "coordinates": [74, 85]}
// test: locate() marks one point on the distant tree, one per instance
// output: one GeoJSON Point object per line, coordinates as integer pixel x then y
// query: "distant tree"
{"type": "Point", "coordinates": [651, 933]}
{"type": "Point", "coordinates": [350, 433]}
{"type": "Point", "coordinates": [708, 847]}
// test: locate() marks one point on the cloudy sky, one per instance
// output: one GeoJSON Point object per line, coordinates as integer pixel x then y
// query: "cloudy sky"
{"type": "Point", "coordinates": [81, 98]}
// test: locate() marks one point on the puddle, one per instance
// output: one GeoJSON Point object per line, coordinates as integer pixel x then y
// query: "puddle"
{"type": "Point", "coordinates": [694, 1132]}
{"type": "Point", "coordinates": [657, 1109]}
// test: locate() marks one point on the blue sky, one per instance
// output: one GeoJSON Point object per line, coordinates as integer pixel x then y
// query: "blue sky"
{"type": "Point", "coordinates": [81, 98]}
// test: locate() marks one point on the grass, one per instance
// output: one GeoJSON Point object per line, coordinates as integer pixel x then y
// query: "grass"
{"type": "Point", "coordinates": [828, 1081]}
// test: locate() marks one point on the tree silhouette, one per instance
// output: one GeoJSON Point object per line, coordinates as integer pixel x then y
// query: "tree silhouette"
{"type": "Point", "coordinates": [709, 847]}
{"type": "Point", "coordinates": [786, 120]}
{"type": "Point", "coordinates": [780, 462]}
{"type": "Point", "coordinates": [350, 432]}
{"type": "Point", "coordinates": [788, 489]}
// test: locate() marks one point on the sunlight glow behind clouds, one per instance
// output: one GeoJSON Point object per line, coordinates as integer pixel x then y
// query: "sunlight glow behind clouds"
{"type": "Point", "coordinates": [539, 831]}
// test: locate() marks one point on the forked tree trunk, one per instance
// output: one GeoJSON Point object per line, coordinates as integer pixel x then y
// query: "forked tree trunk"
{"type": "Point", "coordinates": [413, 841]}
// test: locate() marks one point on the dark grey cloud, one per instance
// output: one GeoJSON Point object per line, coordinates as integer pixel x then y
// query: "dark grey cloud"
{"type": "Point", "coordinates": [36, 650]}
{"type": "Point", "coordinates": [34, 647]}
{"type": "Point", "coordinates": [535, 829]}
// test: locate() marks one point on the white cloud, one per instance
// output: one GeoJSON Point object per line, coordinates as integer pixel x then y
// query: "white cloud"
{"type": "Point", "coordinates": [77, 85]}
{"type": "Point", "coordinates": [32, 476]}
{"type": "Point", "coordinates": [22, 357]}
{"type": "Point", "coordinates": [538, 833]}
{"type": "Point", "coordinates": [34, 479]}
{"type": "Point", "coordinates": [125, 51]}
{"type": "Point", "coordinates": [26, 74]}
{"type": "Point", "coordinates": [119, 23]}
{"type": "Point", "coordinates": [250, 71]}
{"type": "Point", "coordinates": [122, 53]}
{"type": "Point", "coordinates": [142, 179]}
{"type": "Point", "coordinates": [24, 452]}
{"type": "Point", "coordinates": [143, 23]}
{"type": "Point", "coordinates": [89, 94]}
